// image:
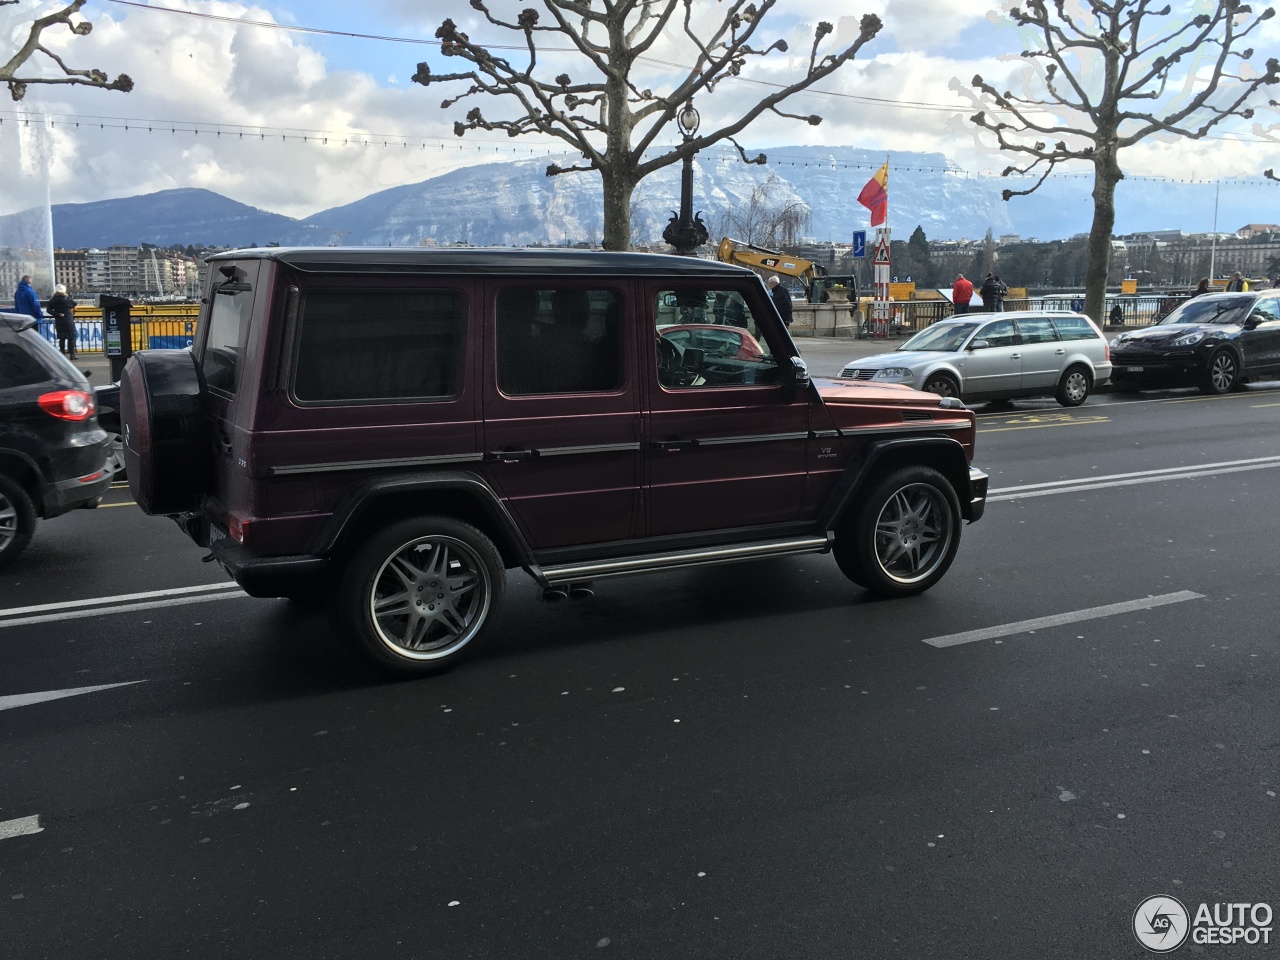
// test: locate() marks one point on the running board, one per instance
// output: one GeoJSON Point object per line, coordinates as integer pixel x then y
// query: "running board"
{"type": "Point", "coordinates": [656, 562]}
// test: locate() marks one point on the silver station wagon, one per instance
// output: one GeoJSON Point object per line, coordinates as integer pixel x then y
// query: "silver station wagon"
{"type": "Point", "coordinates": [1000, 356]}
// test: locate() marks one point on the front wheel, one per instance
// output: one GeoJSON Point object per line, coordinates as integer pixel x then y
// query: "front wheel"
{"type": "Point", "coordinates": [1223, 373]}
{"type": "Point", "coordinates": [421, 594]}
{"type": "Point", "coordinates": [1073, 388]}
{"type": "Point", "coordinates": [17, 520]}
{"type": "Point", "coordinates": [903, 537]}
{"type": "Point", "coordinates": [942, 385]}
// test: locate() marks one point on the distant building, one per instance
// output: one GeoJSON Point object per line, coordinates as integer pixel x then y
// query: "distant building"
{"type": "Point", "coordinates": [1251, 230]}
{"type": "Point", "coordinates": [69, 270]}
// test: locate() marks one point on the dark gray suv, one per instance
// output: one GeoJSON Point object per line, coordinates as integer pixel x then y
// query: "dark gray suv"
{"type": "Point", "coordinates": [53, 454]}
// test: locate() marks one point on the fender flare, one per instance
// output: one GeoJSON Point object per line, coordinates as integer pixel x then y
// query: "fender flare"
{"type": "Point", "coordinates": [365, 496]}
{"type": "Point", "coordinates": [944, 453]}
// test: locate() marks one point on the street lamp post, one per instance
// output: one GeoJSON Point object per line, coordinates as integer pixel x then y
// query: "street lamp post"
{"type": "Point", "coordinates": [686, 232]}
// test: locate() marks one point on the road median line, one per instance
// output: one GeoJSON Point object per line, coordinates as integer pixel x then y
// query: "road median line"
{"type": "Point", "coordinates": [124, 603]}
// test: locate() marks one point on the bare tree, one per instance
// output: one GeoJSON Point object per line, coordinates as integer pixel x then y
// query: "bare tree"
{"type": "Point", "coordinates": [34, 45]}
{"type": "Point", "coordinates": [1105, 75]}
{"type": "Point", "coordinates": [767, 218]}
{"type": "Point", "coordinates": [610, 118]}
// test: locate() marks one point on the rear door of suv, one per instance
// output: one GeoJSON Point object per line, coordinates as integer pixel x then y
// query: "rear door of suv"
{"type": "Point", "coordinates": [562, 408]}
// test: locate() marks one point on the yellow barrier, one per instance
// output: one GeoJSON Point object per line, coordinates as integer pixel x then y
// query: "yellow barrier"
{"type": "Point", "coordinates": [156, 326]}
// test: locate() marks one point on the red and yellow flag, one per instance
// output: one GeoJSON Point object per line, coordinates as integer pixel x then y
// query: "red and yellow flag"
{"type": "Point", "coordinates": [875, 195]}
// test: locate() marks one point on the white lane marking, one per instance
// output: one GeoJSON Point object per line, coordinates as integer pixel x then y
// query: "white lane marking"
{"type": "Point", "coordinates": [22, 827]}
{"type": "Point", "coordinates": [1029, 490]}
{"type": "Point", "coordinates": [1061, 619]}
{"type": "Point", "coordinates": [121, 598]}
{"type": "Point", "coordinates": [27, 699]}
{"type": "Point", "coordinates": [120, 608]}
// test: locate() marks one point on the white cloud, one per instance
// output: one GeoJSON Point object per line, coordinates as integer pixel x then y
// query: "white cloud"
{"type": "Point", "coordinates": [192, 70]}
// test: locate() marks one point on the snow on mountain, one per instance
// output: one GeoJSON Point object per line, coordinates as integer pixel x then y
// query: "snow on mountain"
{"type": "Point", "coordinates": [515, 203]}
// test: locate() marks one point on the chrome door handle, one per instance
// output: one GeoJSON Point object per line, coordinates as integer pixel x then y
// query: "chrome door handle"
{"type": "Point", "coordinates": [1060, 352]}
{"type": "Point", "coordinates": [1015, 356]}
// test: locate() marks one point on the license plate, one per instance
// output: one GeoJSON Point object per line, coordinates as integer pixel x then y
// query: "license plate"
{"type": "Point", "coordinates": [215, 534]}
{"type": "Point", "coordinates": [1134, 369]}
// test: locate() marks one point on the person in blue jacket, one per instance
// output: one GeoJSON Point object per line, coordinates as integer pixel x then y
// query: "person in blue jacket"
{"type": "Point", "coordinates": [26, 301]}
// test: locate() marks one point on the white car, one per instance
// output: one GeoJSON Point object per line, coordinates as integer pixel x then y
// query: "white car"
{"type": "Point", "coordinates": [997, 356]}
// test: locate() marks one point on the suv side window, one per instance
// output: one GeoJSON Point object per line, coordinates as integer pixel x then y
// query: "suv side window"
{"type": "Point", "coordinates": [1074, 328]}
{"type": "Point", "coordinates": [1267, 308]}
{"type": "Point", "coordinates": [357, 344]}
{"type": "Point", "coordinates": [224, 346]}
{"type": "Point", "coordinates": [1037, 330]}
{"type": "Point", "coordinates": [558, 340]}
{"type": "Point", "coordinates": [709, 338]}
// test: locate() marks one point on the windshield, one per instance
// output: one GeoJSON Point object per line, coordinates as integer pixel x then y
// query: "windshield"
{"type": "Point", "coordinates": [942, 336]}
{"type": "Point", "coordinates": [1206, 310]}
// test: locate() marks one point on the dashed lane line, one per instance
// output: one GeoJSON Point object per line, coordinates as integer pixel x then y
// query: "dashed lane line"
{"type": "Point", "coordinates": [21, 827]}
{"type": "Point", "coordinates": [1062, 619]}
{"type": "Point", "coordinates": [44, 696]}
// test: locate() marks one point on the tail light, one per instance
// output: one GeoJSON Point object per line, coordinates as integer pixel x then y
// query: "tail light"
{"type": "Point", "coordinates": [237, 528]}
{"type": "Point", "coordinates": [68, 404]}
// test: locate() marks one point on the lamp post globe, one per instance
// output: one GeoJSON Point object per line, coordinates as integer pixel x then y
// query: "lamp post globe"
{"type": "Point", "coordinates": [686, 232]}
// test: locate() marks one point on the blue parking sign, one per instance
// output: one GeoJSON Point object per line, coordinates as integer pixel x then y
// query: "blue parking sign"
{"type": "Point", "coordinates": [859, 243]}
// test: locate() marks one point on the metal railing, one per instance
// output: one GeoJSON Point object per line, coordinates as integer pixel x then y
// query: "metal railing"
{"type": "Point", "coordinates": [154, 332]}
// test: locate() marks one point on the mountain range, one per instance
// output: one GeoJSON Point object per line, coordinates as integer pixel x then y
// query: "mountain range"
{"type": "Point", "coordinates": [515, 203]}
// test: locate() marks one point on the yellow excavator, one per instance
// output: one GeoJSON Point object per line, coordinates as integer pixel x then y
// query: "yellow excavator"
{"type": "Point", "coordinates": [812, 276]}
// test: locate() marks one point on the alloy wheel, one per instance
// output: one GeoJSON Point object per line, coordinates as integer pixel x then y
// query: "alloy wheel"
{"type": "Point", "coordinates": [1222, 372]}
{"type": "Point", "coordinates": [913, 533]}
{"type": "Point", "coordinates": [430, 597]}
{"type": "Point", "coordinates": [8, 522]}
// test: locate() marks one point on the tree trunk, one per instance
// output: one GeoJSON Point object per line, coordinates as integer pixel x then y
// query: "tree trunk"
{"type": "Point", "coordinates": [1106, 174]}
{"type": "Point", "coordinates": [617, 210]}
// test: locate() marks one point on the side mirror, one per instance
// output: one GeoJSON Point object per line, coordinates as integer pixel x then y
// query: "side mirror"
{"type": "Point", "coordinates": [799, 372]}
{"type": "Point", "coordinates": [978, 345]}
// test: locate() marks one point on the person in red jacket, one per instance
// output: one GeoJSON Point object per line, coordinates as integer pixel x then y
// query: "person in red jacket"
{"type": "Point", "coordinates": [961, 294]}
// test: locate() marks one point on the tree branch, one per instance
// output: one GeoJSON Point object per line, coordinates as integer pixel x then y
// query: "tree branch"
{"type": "Point", "coordinates": [33, 45]}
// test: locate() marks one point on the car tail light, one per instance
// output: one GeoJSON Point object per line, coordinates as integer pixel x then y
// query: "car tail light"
{"type": "Point", "coordinates": [237, 528]}
{"type": "Point", "coordinates": [68, 404]}
{"type": "Point", "coordinates": [1106, 350]}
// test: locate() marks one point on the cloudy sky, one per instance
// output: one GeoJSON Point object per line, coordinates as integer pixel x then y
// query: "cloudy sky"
{"type": "Point", "coordinates": [222, 101]}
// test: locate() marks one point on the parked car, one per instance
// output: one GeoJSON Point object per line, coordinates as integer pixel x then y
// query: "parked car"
{"type": "Point", "coordinates": [1216, 341]}
{"type": "Point", "coordinates": [392, 430]}
{"type": "Point", "coordinates": [52, 450]}
{"type": "Point", "coordinates": [714, 340]}
{"type": "Point", "coordinates": [997, 356]}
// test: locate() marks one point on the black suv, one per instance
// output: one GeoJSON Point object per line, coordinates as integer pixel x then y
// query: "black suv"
{"type": "Point", "coordinates": [53, 454]}
{"type": "Point", "coordinates": [1215, 341]}
{"type": "Point", "coordinates": [392, 430]}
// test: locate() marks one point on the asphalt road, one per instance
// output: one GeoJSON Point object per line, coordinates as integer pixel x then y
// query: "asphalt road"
{"type": "Point", "coordinates": [739, 762]}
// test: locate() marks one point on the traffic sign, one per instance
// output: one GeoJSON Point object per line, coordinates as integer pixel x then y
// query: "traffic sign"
{"type": "Point", "coordinates": [882, 251]}
{"type": "Point", "coordinates": [859, 243]}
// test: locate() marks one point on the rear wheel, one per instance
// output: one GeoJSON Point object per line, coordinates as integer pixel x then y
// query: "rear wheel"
{"type": "Point", "coordinates": [421, 594]}
{"type": "Point", "coordinates": [17, 520]}
{"type": "Point", "coordinates": [904, 536]}
{"type": "Point", "coordinates": [942, 384]}
{"type": "Point", "coordinates": [1223, 373]}
{"type": "Point", "coordinates": [1073, 388]}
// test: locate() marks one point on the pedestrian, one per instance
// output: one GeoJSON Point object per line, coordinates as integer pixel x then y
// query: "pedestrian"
{"type": "Point", "coordinates": [990, 293]}
{"type": "Point", "coordinates": [1201, 287]}
{"type": "Point", "coordinates": [781, 299]}
{"type": "Point", "coordinates": [1237, 283]}
{"type": "Point", "coordinates": [25, 299]}
{"type": "Point", "coordinates": [1116, 317]}
{"type": "Point", "coordinates": [1002, 291]}
{"type": "Point", "coordinates": [961, 294]}
{"type": "Point", "coordinates": [63, 309]}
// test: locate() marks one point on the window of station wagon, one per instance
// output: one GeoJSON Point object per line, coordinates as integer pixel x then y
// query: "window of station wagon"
{"type": "Point", "coordinates": [368, 345]}
{"type": "Point", "coordinates": [1075, 328]}
{"type": "Point", "coordinates": [709, 338]}
{"type": "Point", "coordinates": [554, 340]}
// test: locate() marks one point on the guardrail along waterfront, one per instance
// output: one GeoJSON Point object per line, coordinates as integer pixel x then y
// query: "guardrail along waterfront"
{"type": "Point", "coordinates": [155, 327]}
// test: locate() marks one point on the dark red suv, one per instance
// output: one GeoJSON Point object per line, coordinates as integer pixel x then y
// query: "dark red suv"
{"type": "Point", "coordinates": [392, 430]}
